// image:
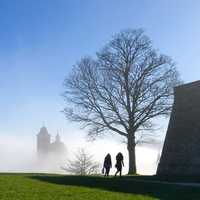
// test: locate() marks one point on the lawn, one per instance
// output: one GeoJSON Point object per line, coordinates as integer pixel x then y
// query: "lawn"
{"type": "Point", "coordinates": [94, 187]}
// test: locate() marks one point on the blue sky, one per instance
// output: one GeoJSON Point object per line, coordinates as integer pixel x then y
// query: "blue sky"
{"type": "Point", "coordinates": [41, 40]}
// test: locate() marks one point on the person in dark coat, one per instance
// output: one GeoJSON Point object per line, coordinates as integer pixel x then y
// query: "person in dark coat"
{"type": "Point", "coordinates": [107, 164]}
{"type": "Point", "coordinates": [119, 163]}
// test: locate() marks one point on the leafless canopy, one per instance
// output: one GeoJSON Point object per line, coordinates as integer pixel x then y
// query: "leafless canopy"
{"type": "Point", "coordinates": [123, 89]}
{"type": "Point", "coordinates": [83, 164]}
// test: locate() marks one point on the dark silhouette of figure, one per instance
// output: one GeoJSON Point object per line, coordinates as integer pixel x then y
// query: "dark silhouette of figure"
{"type": "Point", "coordinates": [107, 164]}
{"type": "Point", "coordinates": [119, 163]}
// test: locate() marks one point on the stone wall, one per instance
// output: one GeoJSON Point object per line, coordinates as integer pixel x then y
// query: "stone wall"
{"type": "Point", "coordinates": [181, 150]}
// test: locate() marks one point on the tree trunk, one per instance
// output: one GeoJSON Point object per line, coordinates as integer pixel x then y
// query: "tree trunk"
{"type": "Point", "coordinates": [132, 158]}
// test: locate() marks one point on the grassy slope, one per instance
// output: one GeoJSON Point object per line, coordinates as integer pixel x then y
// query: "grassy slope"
{"type": "Point", "coordinates": [49, 186]}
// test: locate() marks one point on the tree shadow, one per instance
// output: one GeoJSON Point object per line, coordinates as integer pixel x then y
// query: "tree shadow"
{"type": "Point", "coordinates": [155, 190]}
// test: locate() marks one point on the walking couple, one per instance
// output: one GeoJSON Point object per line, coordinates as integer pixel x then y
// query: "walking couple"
{"type": "Point", "coordinates": [108, 164]}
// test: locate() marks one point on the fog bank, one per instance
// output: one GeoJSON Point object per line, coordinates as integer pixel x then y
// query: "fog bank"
{"type": "Point", "coordinates": [19, 154]}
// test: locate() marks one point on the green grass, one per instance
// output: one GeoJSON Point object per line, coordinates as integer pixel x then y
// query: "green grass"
{"type": "Point", "coordinates": [57, 187]}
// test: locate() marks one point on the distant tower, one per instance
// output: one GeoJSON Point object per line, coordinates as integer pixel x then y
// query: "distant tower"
{"type": "Point", "coordinates": [181, 150]}
{"type": "Point", "coordinates": [57, 138]}
{"type": "Point", "coordinates": [158, 157]}
{"type": "Point", "coordinates": [58, 148]}
{"type": "Point", "coordinates": [43, 142]}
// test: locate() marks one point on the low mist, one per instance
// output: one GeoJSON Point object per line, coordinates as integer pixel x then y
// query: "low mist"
{"type": "Point", "coordinates": [19, 154]}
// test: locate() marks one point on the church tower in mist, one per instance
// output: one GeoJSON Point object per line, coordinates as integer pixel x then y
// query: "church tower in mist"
{"type": "Point", "coordinates": [43, 142]}
{"type": "Point", "coordinates": [47, 150]}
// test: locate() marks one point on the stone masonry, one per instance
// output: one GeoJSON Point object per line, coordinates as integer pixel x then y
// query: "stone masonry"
{"type": "Point", "coordinates": [181, 150]}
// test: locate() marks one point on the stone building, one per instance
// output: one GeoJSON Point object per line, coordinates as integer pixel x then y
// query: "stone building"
{"type": "Point", "coordinates": [181, 150]}
{"type": "Point", "coordinates": [47, 150]}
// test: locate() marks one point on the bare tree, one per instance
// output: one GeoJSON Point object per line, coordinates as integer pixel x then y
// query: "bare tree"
{"type": "Point", "coordinates": [122, 90]}
{"type": "Point", "coordinates": [83, 164]}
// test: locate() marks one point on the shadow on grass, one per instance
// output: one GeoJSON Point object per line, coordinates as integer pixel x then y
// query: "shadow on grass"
{"type": "Point", "coordinates": [155, 190]}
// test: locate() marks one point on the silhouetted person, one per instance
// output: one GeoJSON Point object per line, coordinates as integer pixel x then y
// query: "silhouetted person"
{"type": "Point", "coordinates": [107, 164]}
{"type": "Point", "coordinates": [119, 163]}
